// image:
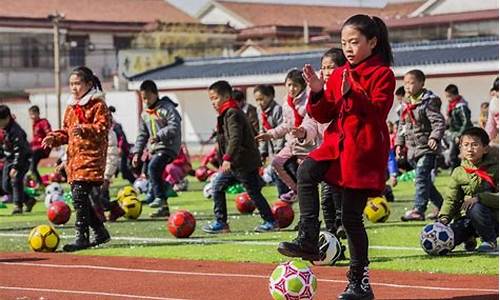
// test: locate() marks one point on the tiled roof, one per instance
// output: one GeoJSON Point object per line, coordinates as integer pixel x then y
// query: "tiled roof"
{"type": "Point", "coordinates": [260, 14]}
{"type": "Point", "coordinates": [405, 54]}
{"type": "Point", "coordinates": [126, 11]}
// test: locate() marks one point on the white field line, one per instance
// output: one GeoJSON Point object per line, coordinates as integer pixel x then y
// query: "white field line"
{"type": "Point", "coordinates": [209, 274]}
{"type": "Point", "coordinates": [122, 296]}
{"type": "Point", "coordinates": [145, 240]}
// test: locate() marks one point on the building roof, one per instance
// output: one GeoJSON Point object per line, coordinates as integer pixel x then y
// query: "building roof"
{"type": "Point", "coordinates": [114, 11]}
{"type": "Point", "coordinates": [259, 14]}
{"type": "Point", "coordinates": [406, 55]}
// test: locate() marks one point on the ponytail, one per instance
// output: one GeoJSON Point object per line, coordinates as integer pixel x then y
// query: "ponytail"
{"type": "Point", "coordinates": [372, 27]}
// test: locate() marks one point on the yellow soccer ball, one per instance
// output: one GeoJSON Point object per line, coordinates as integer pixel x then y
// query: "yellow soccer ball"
{"type": "Point", "coordinates": [126, 191]}
{"type": "Point", "coordinates": [377, 210]}
{"type": "Point", "coordinates": [43, 238]}
{"type": "Point", "coordinates": [132, 207]}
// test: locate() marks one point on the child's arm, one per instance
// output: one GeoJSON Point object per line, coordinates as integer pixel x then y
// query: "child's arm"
{"type": "Point", "coordinates": [320, 108]}
{"type": "Point", "coordinates": [58, 137]}
{"type": "Point", "coordinates": [400, 136]}
{"type": "Point", "coordinates": [452, 201]}
{"type": "Point", "coordinates": [173, 124]}
{"type": "Point", "coordinates": [285, 126]}
{"type": "Point", "coordinates": [436, 119]}
{"type": "Point", "coordinates": [142, 138]}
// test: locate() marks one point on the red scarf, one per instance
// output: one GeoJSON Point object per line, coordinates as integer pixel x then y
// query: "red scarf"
{"type": "Point", "coordinates": [297, 117]}
{"type": "Point", "coordinates": [453, 103]}
{"type": "Point", "coordinates": [481, 173]}
{"type": "Point", "coordinates": [265, 121]}
{"type": "Point", "coordinates": [231, 103]}
{"type": "Point", "coordinates": [80, 114]}
{"type": "Point", "coordinates": [150, 111]}
{"type": "Point", "coordinates": [408, 110]}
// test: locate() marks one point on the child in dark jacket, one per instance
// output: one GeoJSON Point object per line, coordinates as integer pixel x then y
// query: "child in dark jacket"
{"type": "Point", "coordinates": [161, 127]}
{"type": "Point", "coordinates": [420, 129]}
{"type": "Point", "coordinates": [17, 161]}
{"type": "Point", "coordinates": [472, 199]}
{"type": "Point", "coordinates": [240, 160]}
{"type": "Point", "coordinates": [355, 148]}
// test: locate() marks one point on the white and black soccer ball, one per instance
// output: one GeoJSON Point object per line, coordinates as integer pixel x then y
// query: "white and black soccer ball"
{"type": "Point", "coordinates": [141, 185]}
{"type": "Point", "coordinates": [54, 189]}
{"type": "Point", "coordinates": [49, 199]}
{"type": "Point", "coordinates": [207, 190]}
{"type": "Point", "coordinates": [437, 239]}
{"type": "Point", "coordinates": [330, 249]}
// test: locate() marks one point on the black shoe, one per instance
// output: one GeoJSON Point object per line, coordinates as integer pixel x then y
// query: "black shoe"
{"type": "Point", "coordinates": [29, 203]}
{"type": "Point", "coordinates": [101, 236]}
{"type": "Point", "coordinates": [340, 234]}
{"type": "Point", "coordinates": [358, 287]}
{"type": "Point", "coordinates": [305, 245]}
{"type": "Point", "coordinates": [470, 244]}
{"type": "Point", "coordinates": [162, 212]}
{"type": "Point", "coordinates": [81, 242]}
{"type": "Point", "coordinates": [18, 210]}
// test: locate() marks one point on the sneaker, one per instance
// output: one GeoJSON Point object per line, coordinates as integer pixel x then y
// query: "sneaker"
{"type": "Point", "coordinates": [216, 227]}
{"type": "Point", "coordinates": [267, 227]}
{"type": "Point", "coordinates": [29, 203]}
{"type": "Point", "coordinates": [470, 244]}
{"type": "Point", "coordinates": [413, 215]}
{"type": "Point", "coordinates": [289, 197]}
{"type": "Point", "coordinates": [433, 215]}
{"type": "Point", "coordinates": [341, 233]}
{"type": "Point", "coordinates": [17, 210]}
{"type": "Point", "coordinates": [162, 212]}
{"type": "Point", "coordinates": [157, 202]}
{"type": "Point", "coordinates": [487, 247]}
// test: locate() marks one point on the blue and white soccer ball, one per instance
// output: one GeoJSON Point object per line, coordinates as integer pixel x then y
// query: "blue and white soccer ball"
{"type": "Point", "coordinates": [141, 185]}
{"type": "Point", "coordinates": [437, 239]}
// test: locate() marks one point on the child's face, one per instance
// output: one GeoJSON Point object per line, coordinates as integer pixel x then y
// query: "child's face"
{"type": "Point", "coordinates": [355, 45]}
{"type": "Point", "coordinates": [293, 88]}
{"type": "Point", "coordinates": [412, 85]}
{"type": "Point", "coordinates": [327, 67]}
{"type": "Point", "coordinates": [4, 122]}
{"type": "Point", "coordinates": [78, 87]}
{"type": "Point", "coordinates": [149, 98]}
{"type": "Point", "coordinates": [449, 96]}
{"type": "Point", "coordinates": [472, 148]}
{"type": "Point", "coordinates": [262, 100]}
{"type": "Point", "coordinates": [216, 99]}
{"type": "Point", "coordinates": [34, 115]}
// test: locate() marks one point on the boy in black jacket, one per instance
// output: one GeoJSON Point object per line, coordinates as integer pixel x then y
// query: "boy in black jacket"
{"type": "Point", "coordinates": [241, 160]}
{"type": "Point", "coordinates": [17, 161]}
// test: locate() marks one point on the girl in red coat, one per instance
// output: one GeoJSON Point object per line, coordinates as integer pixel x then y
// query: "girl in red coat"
{"type": "Point", "coordinates": [355, 149]}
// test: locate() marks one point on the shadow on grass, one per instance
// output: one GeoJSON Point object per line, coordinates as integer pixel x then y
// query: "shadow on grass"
{"type": "Point", "coordinates": [20, 259]}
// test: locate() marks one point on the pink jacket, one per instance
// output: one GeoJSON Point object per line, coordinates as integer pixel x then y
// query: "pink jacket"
{"type": "Point", "coordinates": [492, 122]}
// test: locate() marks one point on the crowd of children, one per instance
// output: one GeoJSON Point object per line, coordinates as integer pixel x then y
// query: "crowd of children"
{"type": "Point", "coordinates": [331, 132]}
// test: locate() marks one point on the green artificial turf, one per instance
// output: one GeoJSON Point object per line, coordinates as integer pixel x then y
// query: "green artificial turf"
{"type": "Point", "coordinates": [149, 238]}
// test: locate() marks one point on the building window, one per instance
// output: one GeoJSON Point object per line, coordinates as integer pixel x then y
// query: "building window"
{"type": "Point", "coordinates": [77, 51]}
{"type": "Point", "coordinates": [122, 42]}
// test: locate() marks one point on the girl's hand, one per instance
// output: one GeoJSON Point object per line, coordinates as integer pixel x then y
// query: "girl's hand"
{"type": "Point", "coordinates": [48, 141]}
{"type": "Point", "coordinates": [77, 130]}
{"type": "Point", "coordinates": [314, 82]}
{"type": "Point", "coordinates": [266, 137]}
{"type": "Point", "coordinates": [432, 144]}
{"type": "Point", "coordinates": [299, 133]}
{"type": "Point", "coordinates": [346, 86]}
{"type": "Point", "coordinates": [12, 173]}
{"type": "Point", "coordinates": [226, 166]}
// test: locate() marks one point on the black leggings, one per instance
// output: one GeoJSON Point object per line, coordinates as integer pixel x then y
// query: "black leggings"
{"type": "Point", "coordinates": [310, 174]}
{"type": "Point", "coordinates": [85, 210]}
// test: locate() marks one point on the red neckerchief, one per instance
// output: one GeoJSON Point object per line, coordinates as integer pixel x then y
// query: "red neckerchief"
{"type": "Point", "coordinates": [80, 114]}
{"type": "Point", "coordinates": [265, 121]}
{"type": "Point", "coordinates": [231, 103]}
{"type": "Point", "coordinates": [481, 173]}
{"type": "Point", "coordinates": [297, 117]}
{"type": "Point", "coordinates": [408, 110]}
{"type": "Point", "coordinates": [150, 111]}
{"type": "Point", "coordinates": [453, 103]}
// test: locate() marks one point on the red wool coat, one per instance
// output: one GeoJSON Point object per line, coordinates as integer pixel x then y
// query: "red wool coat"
{"type": "Point", "coordinates": [357, 141]}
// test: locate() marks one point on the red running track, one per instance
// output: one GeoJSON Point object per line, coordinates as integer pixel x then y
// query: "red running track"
{"type": "Point", "coordinates": [62, 276]}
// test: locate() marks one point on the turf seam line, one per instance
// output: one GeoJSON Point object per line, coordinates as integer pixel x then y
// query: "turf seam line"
{"type": "Point", "coordinates": [238, 275]}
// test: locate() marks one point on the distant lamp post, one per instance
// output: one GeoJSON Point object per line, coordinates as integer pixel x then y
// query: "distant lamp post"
{"type": "Point", "coordinates": [55, 18]}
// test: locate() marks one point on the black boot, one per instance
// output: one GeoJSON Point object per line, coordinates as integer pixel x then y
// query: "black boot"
{"type": "Point", "coordinates": [358, 287]}
{"type": "Point", "coordinates": [101, 234]}
{"type": "Point", "coordinates": [305, 245]}
{"type": "Point", "coordinates": [81, 203]}
{"type": "Point", "coordinates": [81, 241]}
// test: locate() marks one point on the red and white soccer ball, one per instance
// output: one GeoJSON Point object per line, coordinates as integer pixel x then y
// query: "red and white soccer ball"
{"type": "Point", "coordinates": [293, 280]}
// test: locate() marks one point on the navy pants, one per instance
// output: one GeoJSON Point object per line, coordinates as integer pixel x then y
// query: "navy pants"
{"type": "Point", "coordinates": [156, 166]}
{"type": "Point", "coordinates": [424, 187]}
{"type": "Point", "coordinates": [15, 186]}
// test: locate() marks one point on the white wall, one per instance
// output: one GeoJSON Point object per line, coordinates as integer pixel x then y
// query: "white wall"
{"type": "Point", "coordinates": [219, 16]}
{"type": "Point", "coordinates": [456, 6]}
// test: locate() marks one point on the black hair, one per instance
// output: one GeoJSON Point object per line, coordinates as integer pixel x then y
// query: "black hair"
{"type": "Point", "coordinates": [87, 75]}
{"type": "Point", "coordinates": [222, 88]}
{"type": "Point", "coordinates": [476, 132]}
{"type": "Point", "coordinates": [149, 86]}
{"type": "Point", "coordinates": [452, 89]}
{"type": "Point", "coordinates": [495, 85]}
{"type": "Point", "coordinates": [400, 91]}
{"type": "Point", "coordinates": [4, 112]}
{"type": "Point", "coordinates": [372, 27]}
{"type": "Point", "coordinates": [34, 109]}
{"type": "Point", "coordinates": [336, 55]}
{"type": "Point", "coordinates": [238, 95]}
{"type": "Point", "coordinates": [265, 89]}
{"type": "Point", "coordinates": [485, 105]}
{"type": "Point", "coordinates": [112, 109]}
{"type": "Point", "coordinates": [419, 75]}
{"type": "Point", "coordinates": [295, 75]}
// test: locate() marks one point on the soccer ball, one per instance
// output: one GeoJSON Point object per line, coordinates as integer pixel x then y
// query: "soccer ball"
{"type": "Point", "coordinates": [141, 185]}
{"type": "Point", "coordinates": [377, 210]}
{"type": "Point", "coordinates": [329, 249]}
{"type": "Point", "coordinates": [43, 238]}
{"type": "Point", "coordinates": [267, 175]}
{"type": "Point", "coordinates": [182, 186]}
{"type": "Point", "coordinates": [244, 204]}
{"type": "Point", "coordinates": [283, 213]}
{"type": "Point", "coordinates": [181, 224]}
{"type": "Point", "coordinates": [54, 188]}
{"type": "Point", "coordinates": [207, 190]}
{"type": "Point", "coordinates": [49, 199]}
{"type": "Point", "coordinates": [59, 212]}
{"type": "Point", "coordinates": [132, 207]}
{"type": "Point", "coordinates": [437, 239]}
{"type": "Point", "coordinates": [127, 191]}
{"type": "Point", "coordinates": [292, 280]}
